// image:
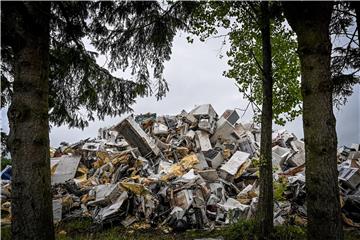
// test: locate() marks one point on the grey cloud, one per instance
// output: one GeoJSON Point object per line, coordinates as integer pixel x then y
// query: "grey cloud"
{"type": "Point", "coordinates": [194, 74]}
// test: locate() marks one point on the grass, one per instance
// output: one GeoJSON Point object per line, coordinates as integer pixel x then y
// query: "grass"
{"type": "Point", "coordinates": [5, 232]}
{"type": "Point", "coordinates": [83, 229]}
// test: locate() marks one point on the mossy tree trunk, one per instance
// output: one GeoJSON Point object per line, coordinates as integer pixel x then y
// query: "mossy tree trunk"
{"type": "Point", "coordinates": [265, 209]}
{"type": "Point", "coordinates": [31, 203]}
{"type": "Point", "coordinates": [310, 21]}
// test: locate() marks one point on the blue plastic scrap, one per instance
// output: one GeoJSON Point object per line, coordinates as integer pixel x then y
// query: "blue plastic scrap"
{"type": "Point", "coordinates": [6, 173]}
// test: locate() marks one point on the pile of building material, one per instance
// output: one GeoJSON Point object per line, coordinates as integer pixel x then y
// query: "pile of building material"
{"type": "Point", "coordinates": [192, 170]}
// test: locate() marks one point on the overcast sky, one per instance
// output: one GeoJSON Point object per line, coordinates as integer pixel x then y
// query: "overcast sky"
{"type": "Point", "coordinates": [194, 74]}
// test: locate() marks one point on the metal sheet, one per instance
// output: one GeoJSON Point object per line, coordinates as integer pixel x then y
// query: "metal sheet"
{"type": "Point", "coordinates": [65, 169]}
{"type": "Point", "coordinates": [235, 162]}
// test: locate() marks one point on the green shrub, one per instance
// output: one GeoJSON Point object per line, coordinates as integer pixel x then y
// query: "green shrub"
{"type": "Point", "coordinates": [5, 162]}
{"type": "Point", "coordinates": [75, 226]}
{"type": "Point", "coordinates": [287, 232]}
{"type": "Point", "coordinates": [279, 188]}
{"type": "Point", "coordinates": [240, 230]}
{"type": "Point", "coordinates": [247, 230]}
{"type": "Point", "coordinates": [5, 232]}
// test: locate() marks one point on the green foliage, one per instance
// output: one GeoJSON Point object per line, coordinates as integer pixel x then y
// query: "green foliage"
{"type": "Point", "coordinates": [279, 189]}
{"type": "Point", "coordinates": [244, 229]}
{"type": "Point", "coordinates": [345, 59]}
{"type": "Point", "coordinates": [352, 234]}
{"type": "Point", "coordinates": [133, 35]}
{"type": "Point", "coordinates": [286, 232]}
{"type": "Point", "coordinates": [6, 232]}
{"type": "Point", "coordinates": [240, 230]}
{"type": "Point", "coordinates": [139, 35]}
{"type": "Point", "coordinates": [5, 162]}
{"type": "Point", "coordinates": [75, 226]}
{"type": "Point", "coordinates": [79, 86]}
{"type": "Point", "coordinates": [80, 229]}
{"type": "Point", "coordinates": [255, 162]}
{"type": "Point", "coordinates": [245, 53]}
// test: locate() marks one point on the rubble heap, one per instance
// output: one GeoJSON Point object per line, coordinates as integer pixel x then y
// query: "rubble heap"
{"type": "Point", "coordinates": [192, 170]}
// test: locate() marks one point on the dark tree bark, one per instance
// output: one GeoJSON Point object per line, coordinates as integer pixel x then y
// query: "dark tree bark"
{"type": "Point", "coordinates": [31, 203]}
{"type": "Point", "coordinates": [356, 6]}
{"type": "Point", "coordinates": [310, 21]}
{"type": "Point", "coordinates": [265, 209]}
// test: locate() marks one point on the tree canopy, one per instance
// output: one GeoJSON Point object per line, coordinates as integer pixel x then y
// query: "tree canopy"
{"type": "Point", "coordinates": [47, 69]}
{"type": "Point", "coordinates": [240, 21]}
{"type": "Point", "coordinates": [135, 35]}
{"type": "Point", "coordinates": [245, 53]}
{"type": "Point", "coordinates": [50, 74]}
{"type": "Point", "coordinates": [345, 64]}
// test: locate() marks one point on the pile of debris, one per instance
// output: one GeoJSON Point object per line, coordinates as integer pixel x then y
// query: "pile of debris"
{"type": "Point", "coordinates": [349, 182]}
{"type": "Point", "coordinates": [192, 170]}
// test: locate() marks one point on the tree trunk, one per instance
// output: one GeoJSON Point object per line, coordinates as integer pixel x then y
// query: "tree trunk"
{"type": "Point", "coordinates": [31, 203]}
{"type": "Point", "coordinates": [265, 209]}
{"type": "Point", "coordinates": [356, 6]}
{"type": "Point", "coordinates": [310, 21]}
